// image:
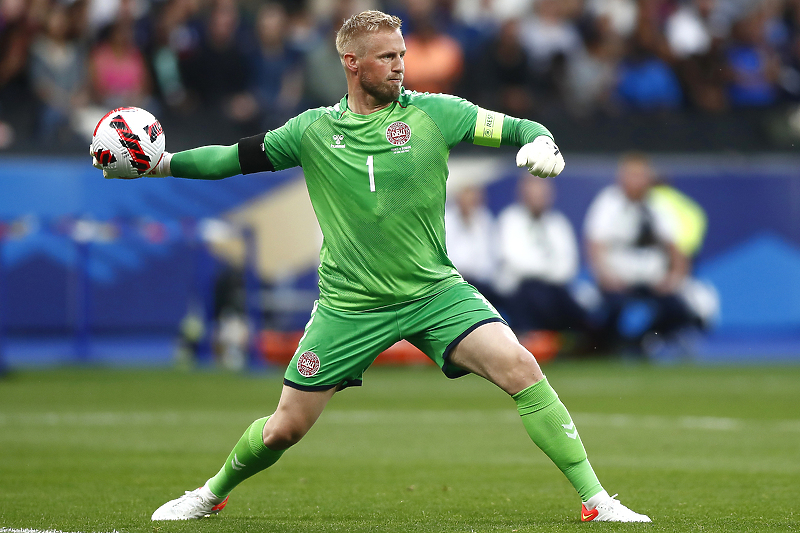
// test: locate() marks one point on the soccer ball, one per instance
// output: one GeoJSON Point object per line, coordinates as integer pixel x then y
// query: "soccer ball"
{"type": "Point", "coordinates": [128, 142]}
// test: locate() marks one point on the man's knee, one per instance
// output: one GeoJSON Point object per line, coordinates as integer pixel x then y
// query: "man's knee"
{"type": "Point", "coordinates": [522, 366]}
{"type": "Point", "coordinates": [296, 413]}
{"type": "Point", "coordinates": [515, 369]}
{"type": "Point", "coordinates": [283, 434]}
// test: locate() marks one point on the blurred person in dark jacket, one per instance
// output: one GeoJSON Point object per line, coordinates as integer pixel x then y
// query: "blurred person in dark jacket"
{"type": "Point", "coordinates": [276, 67]}
{"type": "Point", "coordinates": [218, 73]}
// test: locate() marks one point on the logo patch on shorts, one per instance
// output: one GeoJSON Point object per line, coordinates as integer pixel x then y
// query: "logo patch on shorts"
{"type": "Point", "coordinates": [308, 364]}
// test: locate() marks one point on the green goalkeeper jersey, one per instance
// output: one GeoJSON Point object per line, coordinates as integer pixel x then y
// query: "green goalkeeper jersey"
{"type": "Point", "coordinates": [377, 185]}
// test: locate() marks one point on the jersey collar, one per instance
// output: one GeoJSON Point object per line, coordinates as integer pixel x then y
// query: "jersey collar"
{"type": "Point", "coordinates": [341, 108]}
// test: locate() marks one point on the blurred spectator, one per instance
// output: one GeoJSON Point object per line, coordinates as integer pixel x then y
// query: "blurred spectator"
{"type": "Point", "coordinates": [477, 11]}
{"type": "Point", "coordinates": [231, 330]}
{"type": "Point", "coordinates": [217, 73]}
{"type": "Point", "coordinates": [634, 258]}
{"type": "Point", "coordinates": [590, 76]}
{"type": "Point", "coordinates": [434, 60]}
{"type": "Point", "coordinates": [104, 13]}
{"type": "Point", "coordinates": [323, 76]}
{"type": "Point", "coordinates": [790, 74]}
{"type": "Point", "coordinates": [277, 74]}
{"type": "Point", "coordinates": [118, 72]}
{"type": "Point", "coordinates": [232, 338]}
{"type": "Point", "coordinates": [691, 29]}
{"type": "Point", "coordinates": [502, 79]}
{"type": "Point", "coordinates": [646, 79]}
{"type": "Point", "coordinates": [754, 65]}
{"type": "Point", "coordinates": [174, 37]}
{"type": "Point", "coordinates": [619, 15]}
{"type": "Point", "coordinates": [550, 36]}
{"type": "Point", "coordinates": [616, 56]}
{"type": "Point", "coordinates": [470, 234]}
{"type": "Point", "coordinates": [689, 223]}
{"type": "Point", "coordinates": [19, 22]}
{"type": "Point", "coordinates": [58, 74]}
{"type": "Point", "coordinates": [538, 260]}
{"type": "Point", "coordinates": [695, 32]}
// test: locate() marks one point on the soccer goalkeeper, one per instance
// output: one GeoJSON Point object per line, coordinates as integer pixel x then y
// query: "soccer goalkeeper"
{"type": "Point", "coordinates": [375, 166]}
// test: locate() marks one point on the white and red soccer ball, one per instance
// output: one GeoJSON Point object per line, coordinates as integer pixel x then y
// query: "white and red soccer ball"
{"type": "Point", "coordinates": [128, 142]}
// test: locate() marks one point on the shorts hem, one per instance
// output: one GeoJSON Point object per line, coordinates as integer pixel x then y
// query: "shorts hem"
{"type": "Point", "coordinates": [450, 370]}
{"type": "Point", "coordinates": [318, 388]}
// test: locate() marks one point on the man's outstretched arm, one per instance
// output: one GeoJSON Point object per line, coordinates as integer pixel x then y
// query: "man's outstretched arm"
{"type": "Point", "coordinates": [214, 162]}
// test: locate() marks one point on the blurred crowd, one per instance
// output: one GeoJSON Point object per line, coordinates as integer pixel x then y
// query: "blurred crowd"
{"type": "Point", "coordinates": [639, 235]}
{"type": "Point", "coordinates": [250, 64]}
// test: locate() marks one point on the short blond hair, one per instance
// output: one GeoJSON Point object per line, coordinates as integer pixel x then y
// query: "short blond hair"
{"type": "Point", "coordinates": [360, 24]}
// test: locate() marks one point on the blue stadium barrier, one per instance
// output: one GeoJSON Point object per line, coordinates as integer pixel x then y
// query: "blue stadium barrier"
{"type": "Point", "coordinates": [136, 281]}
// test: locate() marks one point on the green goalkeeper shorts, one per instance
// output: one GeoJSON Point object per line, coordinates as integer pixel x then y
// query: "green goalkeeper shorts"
{"type": "Point", "coordinates": [338, 346]}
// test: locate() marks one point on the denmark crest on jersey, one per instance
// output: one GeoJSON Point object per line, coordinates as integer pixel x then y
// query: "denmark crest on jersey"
{"type": "Point", "coordinates": [398, 133]}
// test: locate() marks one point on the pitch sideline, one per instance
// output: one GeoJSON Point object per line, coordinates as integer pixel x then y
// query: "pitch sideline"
{"type": "Point", "coordinates": [29, 530]}
{"type": "Point", "coordinates": [438, 417]}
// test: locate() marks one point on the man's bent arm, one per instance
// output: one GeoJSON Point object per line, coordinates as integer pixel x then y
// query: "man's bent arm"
{"type": "Point", "coordinates": [519, 131]}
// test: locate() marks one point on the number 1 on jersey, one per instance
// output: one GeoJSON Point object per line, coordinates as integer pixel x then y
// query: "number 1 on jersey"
{"type": "Point", "coordinates": [371, 170]}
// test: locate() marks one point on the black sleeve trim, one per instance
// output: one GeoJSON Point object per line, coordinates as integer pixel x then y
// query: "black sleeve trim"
{"type": "Point", "coordinates": [252, 156]}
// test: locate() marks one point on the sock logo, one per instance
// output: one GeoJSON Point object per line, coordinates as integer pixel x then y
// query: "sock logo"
{"type": "Point", "coordinates": [569, 427]}
{"type": "Point", "coordinates": [236, 464]}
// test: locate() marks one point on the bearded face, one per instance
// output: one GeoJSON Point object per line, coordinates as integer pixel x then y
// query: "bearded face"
{"type": "Point", "coordinates": [383, 90]}
{"type": "Point", "coordinates": [380, 65]}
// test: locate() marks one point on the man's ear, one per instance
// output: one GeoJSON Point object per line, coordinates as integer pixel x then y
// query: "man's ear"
{"type": "Point", "coordinates": [350, 62]}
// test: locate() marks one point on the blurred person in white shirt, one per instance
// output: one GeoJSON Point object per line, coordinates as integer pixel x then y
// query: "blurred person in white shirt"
{"type": "Point", "coordinates": [538, 254]}
{"type": "Point", "coordinates": [691, 28]}
{"type": "Point", "coordinates": [634, 259]}
{"type": "Point", "coordinates": [470, 235]}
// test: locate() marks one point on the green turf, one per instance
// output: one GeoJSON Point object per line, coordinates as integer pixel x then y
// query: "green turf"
{"type": "Point", "coordinates": [698, 449]}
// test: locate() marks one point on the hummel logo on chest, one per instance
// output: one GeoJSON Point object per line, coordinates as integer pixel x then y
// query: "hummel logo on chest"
{"type": "Point", "coordinates": [338, 141]}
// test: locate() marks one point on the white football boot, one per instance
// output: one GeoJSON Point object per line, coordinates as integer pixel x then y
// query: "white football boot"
{"type": "Point", "coordinates": [197, 503]}
{"type": "Point", "coordinates": [605, 508]}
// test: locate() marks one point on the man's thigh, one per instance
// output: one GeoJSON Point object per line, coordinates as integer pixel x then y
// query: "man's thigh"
{"type": "Point", "coordinates": [437, 324]}
{"type": "Point", "coordinates": [492, 351]}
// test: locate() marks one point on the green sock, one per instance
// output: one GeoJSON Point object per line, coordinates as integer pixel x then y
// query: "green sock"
{"type": "Point", "coordinates": [550, 427]}
{"type": "Point", "coordinates": [248, 457]}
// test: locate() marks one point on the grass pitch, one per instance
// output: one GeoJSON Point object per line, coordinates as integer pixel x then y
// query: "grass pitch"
{"type": "Point", "coordinates": [698, 449]}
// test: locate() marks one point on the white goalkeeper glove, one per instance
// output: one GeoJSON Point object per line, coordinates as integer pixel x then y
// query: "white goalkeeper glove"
{"type": "Point", "coordinates": [542, 157]}
{"type": "Point", "coordinates": [161, 170]}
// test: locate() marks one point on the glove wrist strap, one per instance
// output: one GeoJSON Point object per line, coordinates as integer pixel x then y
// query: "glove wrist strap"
{"type": "Point", "coordinates": [162, 168]}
